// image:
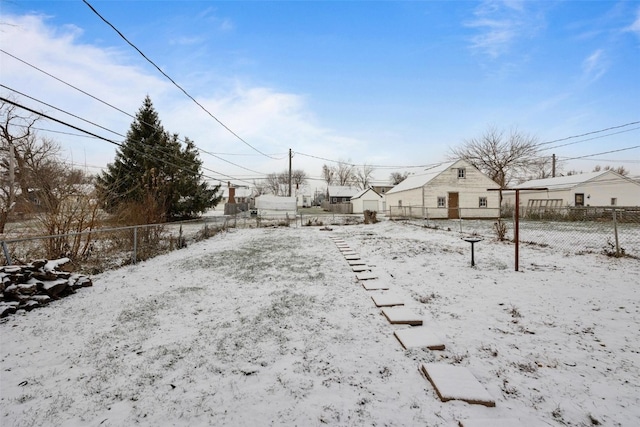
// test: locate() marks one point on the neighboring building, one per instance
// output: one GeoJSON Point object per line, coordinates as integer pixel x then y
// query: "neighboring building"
{"type": "Point", "coordinates": [268, 204]}
{"type": "Point", "coordinates": [455, 190]}
{"type": "Point", "coordinates": [340, 194]}
{"type": "Point", "coordinates": [603, 188]}
{"type": "Point", "coordinates": [239, 194]}
{"type": "Point", "coordinates": [304, 198]}
{"type": "Point", "coordinates": [367, 199]}
{"type": "Point", "coordinates": [381, 189]}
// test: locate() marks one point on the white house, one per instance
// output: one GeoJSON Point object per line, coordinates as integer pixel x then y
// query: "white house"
{"type": "Point", "coordinates": [455, 190]}
{"type": "Point", "coordinates": [367, 199]}
{"type": "Point", "coordinates": [603, 188]}
{"type": "Point", "coordinates": [268, 204]}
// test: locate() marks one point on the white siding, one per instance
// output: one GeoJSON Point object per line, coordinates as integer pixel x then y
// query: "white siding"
{"type": "Point", "coordinates": [470, 188]}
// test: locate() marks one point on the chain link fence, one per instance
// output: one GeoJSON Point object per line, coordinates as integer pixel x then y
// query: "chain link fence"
{"type": "Point", "coordinates": [607, 230]}
{"type": "Point", "coordinates": [101, 249]}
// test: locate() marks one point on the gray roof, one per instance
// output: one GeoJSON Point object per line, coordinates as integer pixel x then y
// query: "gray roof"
{"type": "Point", "coordinates": [565, 182]}
{"type": "Point", "coordinates": [420, 180]}
{"type": "Point", "coordinates": [339, 191]}
{"type": "Point", "coordinates": [363, 192]}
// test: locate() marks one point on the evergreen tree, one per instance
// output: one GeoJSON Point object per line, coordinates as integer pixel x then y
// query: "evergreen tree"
{"type": "Point", "coordinates": [152, 170]}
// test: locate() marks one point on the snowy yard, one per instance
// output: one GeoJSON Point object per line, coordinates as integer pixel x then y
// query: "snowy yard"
{"type": "Point", "coordinates": [261, 327]}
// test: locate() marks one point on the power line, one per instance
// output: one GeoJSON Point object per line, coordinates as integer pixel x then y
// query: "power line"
{"type": "Point", "coordinates": [589, 133]}
{"type": "Point", "coordinates": [103, 102]}
{"type": "Point", "coordinates": [590, 139]}
{"type": "Point", "coordinates": [174, 83]}
{"type": "Point", "coordinates": [598, 154]}
{"type": "Point", "coordinates": [119, 144]}
{"type": "Point", "coordinates": [63, 111]}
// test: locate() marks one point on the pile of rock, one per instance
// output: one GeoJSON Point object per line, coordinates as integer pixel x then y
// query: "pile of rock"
{"type": "Point", "coordinates": [25, 287]}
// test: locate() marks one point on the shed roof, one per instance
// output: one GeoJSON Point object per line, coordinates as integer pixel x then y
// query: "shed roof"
{"type": "Point", "coordinates": [567, 182]}
{"type": "Point", "coordinates": [363, 192]}
{"type": "Point", "coordinates": [341, 191]}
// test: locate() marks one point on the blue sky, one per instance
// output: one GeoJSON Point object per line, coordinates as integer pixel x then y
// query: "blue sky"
{"type": "Point", "coordinates": [382, 83]}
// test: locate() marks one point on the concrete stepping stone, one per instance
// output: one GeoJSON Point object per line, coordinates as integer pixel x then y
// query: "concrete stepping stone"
{"type": "Point", "coordinates": [374, 285]}
{"type": "Point", "coordinates": [356, 262]}
{"type": "Point", "coordinates": [401, 316]}
{"type": "Point", "coordinates": [492, 422]}
{"type": "Point", "coordinates": [387, 299]}
{"type": "Point", "coordinates": [419, 338]}
{"type": "Point", "coordinates": [360, 268]}
{"type": "Point", "coordinates": [350, 257]}
{"type": "Point", "coordinates": [346, 249]}
{"type": "Point", "coordinates": [366, 276]}
{"type": "Point", "coordinates": [456, 383]}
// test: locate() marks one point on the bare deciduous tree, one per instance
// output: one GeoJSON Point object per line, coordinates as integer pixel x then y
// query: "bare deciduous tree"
{"type": "Point", "coordinates": [328, 174]}
{"type": "Point", "coordinates": [298, 178]}
{"type": "Point", "coordinates": [502, 156]}
{"type": "Point", "coordinates": [362, 176]}
{"type": "Point", "coordinates": [397, 177]}
{"type": "Point", "coordinates": [273, 184]}
{"type": "Point", "coordinates": [344, 173]}
{"type": "Point", "coordinates": [542, 168]}
{"type": "Point", "coordinates": [620, 169]}
{"type": "Point", "coordinates": [259, 188]}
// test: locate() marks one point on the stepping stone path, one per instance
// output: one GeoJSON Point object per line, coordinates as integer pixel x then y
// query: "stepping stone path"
{"type": "Point", "coordinates": [450, 382]}
{"type": "Point", "coordinates": [419, 338]}
{"type": "Point", "coordinates": [456, 383]}
{"type": "Point", "coordinates": [492, 422]}
{"type": "Point", "coordinates": [387, 299]}
{"type": "Point", "coordinates": [374, 285]}
{"type": "Point", "coordinates": [366, 276]}
{"type": "Point", "coordinates": [401, 316]}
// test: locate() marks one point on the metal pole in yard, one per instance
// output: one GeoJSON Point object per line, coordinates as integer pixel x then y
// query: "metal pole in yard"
{"type": "Point", "coordinates": [5, 249]}
{"type": "Point", "coordinates": [615, 231]}
{"type": "Point", "coordinates": [135, 244]}
{"type": "Point", "coordinates": [516, 229]}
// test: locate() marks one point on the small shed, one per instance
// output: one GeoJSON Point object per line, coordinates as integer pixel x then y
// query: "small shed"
{"type": "Point", "coordinates": [366, 200]}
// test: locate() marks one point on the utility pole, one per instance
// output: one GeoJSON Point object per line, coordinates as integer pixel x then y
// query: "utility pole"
{"type": "Point", "coordinates": [553, 165]}
{"type": "Point", "coordinates": [290, 155]}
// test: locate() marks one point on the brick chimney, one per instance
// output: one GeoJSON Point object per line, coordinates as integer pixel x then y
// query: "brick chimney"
{"type": "Point", "coordinates": [232, 194]}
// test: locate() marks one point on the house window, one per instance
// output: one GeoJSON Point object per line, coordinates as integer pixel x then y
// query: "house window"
{"type": "Point", "coordinates": [461, 173]}
{"type": "Point", "coordinates": [614, 201]}
{"type": "Point", "coordinates": [399, 203]}
{"type": "Point", "coordinates": [442, 202]}
{"type": "Point", "coordinates": [579, 199]}
{"type": "Point", "coordinates": [334, 200]}
{"type": "Point", "coordinates": [482, 202]}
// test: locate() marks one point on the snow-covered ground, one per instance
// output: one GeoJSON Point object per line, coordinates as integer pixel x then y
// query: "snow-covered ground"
{"type": "Point", "coordinates": [263, 327]}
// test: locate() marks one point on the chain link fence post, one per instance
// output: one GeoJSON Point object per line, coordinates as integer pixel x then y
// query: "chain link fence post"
{"type": "Point", "coordinates": [615, 232]}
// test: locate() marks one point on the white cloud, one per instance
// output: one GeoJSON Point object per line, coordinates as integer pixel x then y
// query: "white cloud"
{"type": "Point", "coordinates": [499, 25]}
{"type": "Point", "coordinates": [594, 66]}
{"type": "Point", "coordinates": [268, 119]}
{"type": "Point", "coordinates": [635, 26]}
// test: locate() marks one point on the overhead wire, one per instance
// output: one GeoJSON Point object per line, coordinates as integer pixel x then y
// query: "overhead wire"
{"type": "Point", "coordinates": [176, 84]}
{"type": "Point", "coordinates": [119, 144]}
{"type": "Point", "coordinates": [109, 105]}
